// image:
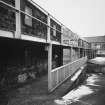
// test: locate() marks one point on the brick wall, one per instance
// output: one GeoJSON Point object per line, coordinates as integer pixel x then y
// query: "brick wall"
{"type": "Point", "coordinates": [37, 29]}
{"type": "Point", "coordinates": [11, 2]}
{"type": "Point", "coordinates": [58, 34]}
{"type": "Point", "coordinates": [7, 18]}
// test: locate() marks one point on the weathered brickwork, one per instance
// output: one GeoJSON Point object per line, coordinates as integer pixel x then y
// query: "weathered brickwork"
{"type": "Point", "coordinates": [7, 19]}
{"type": "Point", "coordinates": [37, 29]}
{"type": "Point", "coordinates": [57, 37]}
{"type": "Point", "coordinates": [11, 2]}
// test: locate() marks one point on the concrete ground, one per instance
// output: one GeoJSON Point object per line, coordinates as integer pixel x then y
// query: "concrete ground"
{"type": "Point", "coordinates": [91, 92]}
{"type": "Point", "coordinates": [34, 93]}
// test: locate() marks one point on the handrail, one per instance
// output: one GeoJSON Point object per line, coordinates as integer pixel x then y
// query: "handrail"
{"type": "Point", "coordinates": [59, 75]}
{"type": "Point", "coordinates": [17, 10]}
{"type": "Point", "coordinates": [66, 65]}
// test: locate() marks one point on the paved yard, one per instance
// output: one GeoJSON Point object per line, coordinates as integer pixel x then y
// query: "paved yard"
{"type": "Point", "coordinates": [91, 92]}
{"type": "Point", "coordinates": [34, 93]}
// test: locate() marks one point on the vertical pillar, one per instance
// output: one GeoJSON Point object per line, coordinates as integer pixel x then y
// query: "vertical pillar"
{"type": "Point", "coordinates": [48, 29]}
{"type": "Point", "coordinates": [83, 52]}
{"type": "Point", "coordinates": [49, 66]}
{"type": "Point", "coordinates": [86, 52]}
{"type": "Point", "coordinates": [49, 55]}
{"type": "Point", "coordinates": [18, 20]}
{"type": "Point", "coordinates": [61, 34]}
{"type": "Point", "coordinates": [61, 44]}
{"type": "Point", "coordinates": [71, 54]}
{"type": "Point", "coordinates": [78, 52]}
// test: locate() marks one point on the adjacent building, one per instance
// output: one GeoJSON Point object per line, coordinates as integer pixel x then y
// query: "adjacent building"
{"type": "Point", "coordinates": [97, 42]}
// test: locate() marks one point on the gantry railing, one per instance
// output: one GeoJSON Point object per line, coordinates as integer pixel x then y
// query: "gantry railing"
{"type": "Point", "coordinates": [59, 75]}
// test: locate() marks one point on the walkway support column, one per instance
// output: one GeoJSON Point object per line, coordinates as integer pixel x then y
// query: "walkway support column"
{"type": "Point", "coordinates": [49, 66]}
{"type": "Point", "coordinates": [71, 55]}
{"type": "Point", "coordinates": [79, 52]}
{"type": "Point", "coordinates": [49, 54]}
{"type": "Point", "coordinates": [18, 20]}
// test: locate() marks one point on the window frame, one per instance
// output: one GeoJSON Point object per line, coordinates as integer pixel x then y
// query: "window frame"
{"type": "Point", "coordinates": [28, 20]}
{"type": "Point", "coordinates": [54, 30]}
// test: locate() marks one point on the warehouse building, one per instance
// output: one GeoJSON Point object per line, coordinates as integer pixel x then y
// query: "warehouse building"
{"type": "Point", "coordinates": [34, 43]}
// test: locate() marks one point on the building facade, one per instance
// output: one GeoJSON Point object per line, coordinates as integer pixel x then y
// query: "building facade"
{"type": "Point", "coordinates": [98, 43]}
{"type": "Point", "coordinates": [33, 43]}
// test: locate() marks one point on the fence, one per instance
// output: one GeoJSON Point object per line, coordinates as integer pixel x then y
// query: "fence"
{"type": "Point", "coordinates": [59, 75]}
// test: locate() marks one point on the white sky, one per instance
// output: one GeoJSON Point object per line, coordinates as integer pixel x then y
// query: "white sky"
{"type": "Point", "coordinates": [84, 17]}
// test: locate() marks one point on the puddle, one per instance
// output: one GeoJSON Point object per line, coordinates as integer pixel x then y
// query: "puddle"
{"type": "Point", "coordinates": [78, 93]}
{"type": "Point", "coordinates": [91, 80]}
{"type": "Point", "coordinates": [75, 95]}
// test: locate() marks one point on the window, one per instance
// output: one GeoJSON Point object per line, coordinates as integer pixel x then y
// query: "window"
{"type": "Point", "coordinates": [28, 20]}
{"type": "Point", "coordinates": [54, 30]}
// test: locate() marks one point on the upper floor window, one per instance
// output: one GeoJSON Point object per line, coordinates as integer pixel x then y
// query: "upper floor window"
{"type": "Point", "coordinates": [28, 20]}
{"type": "Point", "coordinates": [54, 30]}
